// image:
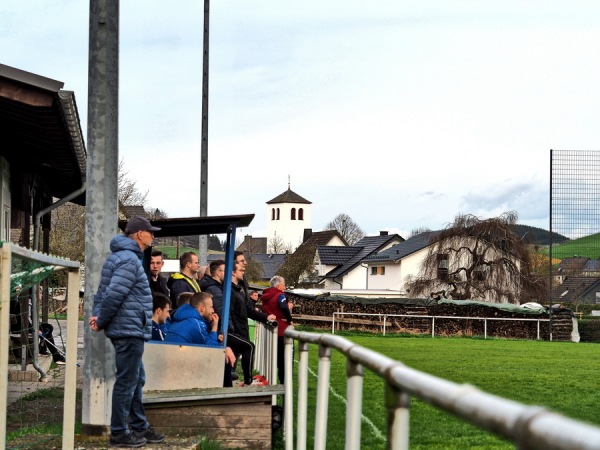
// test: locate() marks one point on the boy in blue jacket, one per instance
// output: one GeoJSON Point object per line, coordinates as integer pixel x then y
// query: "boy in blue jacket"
{"type": "Point", "coordinates": [191, 322]}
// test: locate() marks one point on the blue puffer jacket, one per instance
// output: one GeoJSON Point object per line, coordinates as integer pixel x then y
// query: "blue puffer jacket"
{"type": "Point", "coordinates": [189, 327]}
{"type": "Point", "coordinates": [123, 303]}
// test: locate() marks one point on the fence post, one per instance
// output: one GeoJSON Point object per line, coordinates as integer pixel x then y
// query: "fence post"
{"type": "Point", "coordinates": [288, 399]}
{"type": "Point", "coordinates": [398, 406]}
{"type": "Point", "coordinates": [333, 323]}
{"type": "Point", "coordinates": [354, 372]}
{"type": "Point", "coordinates": [384, 323]}
{"type": "Point", "coordinates": [432, 326]}
{"type": "Point", "coordinates": [485, 328]}
{"type": "Point", "coordinates": [302, 396]}
{"type": "Point", "coordinates": [322, 397]}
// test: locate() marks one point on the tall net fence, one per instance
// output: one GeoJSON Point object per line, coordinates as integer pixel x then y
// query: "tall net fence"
{"type": "Point", "coordinates": [34, 352]}
{"type": "Point", "coordinates": [575, 226]}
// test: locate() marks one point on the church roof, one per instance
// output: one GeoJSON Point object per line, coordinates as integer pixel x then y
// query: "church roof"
{"type": "Point", "coordinates": [289, 196]}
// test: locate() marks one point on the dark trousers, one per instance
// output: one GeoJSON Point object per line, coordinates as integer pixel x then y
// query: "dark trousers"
{"type": "Point", "coordinates": [47, 343]}
{"type": "Point", "coordinates": [281, 359]}
{"type": "Point", "coordinates": [243, 346]}
{"type": "Point", "coordinates": [127, 391]}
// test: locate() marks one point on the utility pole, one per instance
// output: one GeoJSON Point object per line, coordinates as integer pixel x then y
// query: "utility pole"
{"type": "Point", "coordinates": [203, 239]}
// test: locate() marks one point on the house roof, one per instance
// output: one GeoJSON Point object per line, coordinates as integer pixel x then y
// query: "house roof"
{"type": "Point", "coordinates": [134, 211]}
{"type": "Point", "coordinates": [572, 288]}
{"type": "Point", "coordinates": [289, 196]}
{"type": "Point", "coordinates": [253, 245]}
{"type": "Point", "coordinates": [367, 246]}
{"type": "Point", "coordinates": [335, 255]}
{"type": "Point", "coordinates": [405, 248]}
{"type": "Point", "coordinates": [593, 265]}
{"type": "Point", "coordinates": [574, 263]}
{"type": "Point", "coordinates": [323, 238]}
{"type": "Point", "coordinates": [41, 132]}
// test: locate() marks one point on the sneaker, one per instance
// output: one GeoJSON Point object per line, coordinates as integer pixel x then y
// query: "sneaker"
{"type": "Point", "coordinates": [129, 440]}
{"type": "Point", "coordinates": [150, 436]}
{"type": "Point", "coordinates": [61, 362]}
{"type": "Point", "coordinates": [234, 376]}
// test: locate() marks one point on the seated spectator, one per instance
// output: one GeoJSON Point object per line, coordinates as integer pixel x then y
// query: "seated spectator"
{"type": "Point", "coordinates": [190, 323]}
{"type": "Point", "coordinates": [184, 298]}
{"type": "Point", "coordinates": [161, 309]}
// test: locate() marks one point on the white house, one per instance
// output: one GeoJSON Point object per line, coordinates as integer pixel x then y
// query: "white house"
{"type": "Point", "coordinates": [345, 267]}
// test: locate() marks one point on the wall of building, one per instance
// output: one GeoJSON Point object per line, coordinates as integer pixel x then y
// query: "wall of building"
{"type": "Point", "coordinates": [291, 232]}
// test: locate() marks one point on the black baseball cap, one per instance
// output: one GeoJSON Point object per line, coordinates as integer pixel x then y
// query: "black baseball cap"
{"type": "Point", "coordinates": [136, 224]}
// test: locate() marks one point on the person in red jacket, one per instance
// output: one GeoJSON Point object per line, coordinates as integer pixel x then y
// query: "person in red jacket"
{"type": "Point", "coordinates": [274, 302]}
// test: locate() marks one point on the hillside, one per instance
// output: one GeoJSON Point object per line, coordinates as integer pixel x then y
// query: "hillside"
{"type": "Point", "coordinates": [588, 246]}
{"type": "Point", "coordinates": [539, 236]}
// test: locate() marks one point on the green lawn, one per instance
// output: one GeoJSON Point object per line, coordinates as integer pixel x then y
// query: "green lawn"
{"type": "Point", "coordinates": [560, 376]}
{"type": "Point", "coordinates": [588, 246]}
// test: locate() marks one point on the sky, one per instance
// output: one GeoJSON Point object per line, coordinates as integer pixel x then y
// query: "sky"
{"type": "Point", "coordinates": [400, 114]}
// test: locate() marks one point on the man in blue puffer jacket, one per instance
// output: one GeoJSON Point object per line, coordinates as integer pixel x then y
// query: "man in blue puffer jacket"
{"type": "Point", "coordinates": [191, 322]}
{"type": "Point", "coordinates": [123, 309]}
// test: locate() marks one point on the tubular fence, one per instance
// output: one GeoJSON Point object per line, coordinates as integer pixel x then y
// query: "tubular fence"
{"type": "Point", "coordinates": [384, 320]}
{"type": "Point", "coordinates": [528, 427]}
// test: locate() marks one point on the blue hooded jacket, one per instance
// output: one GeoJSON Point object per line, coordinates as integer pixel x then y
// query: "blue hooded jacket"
{"type": "Point", "coordinates": [123, 302]}
{"type": "Point", "coordinates": [189, 327]}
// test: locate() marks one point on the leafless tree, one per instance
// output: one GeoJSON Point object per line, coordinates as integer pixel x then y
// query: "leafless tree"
{"type": "Point", "coordinates": [128, 192]}
{"type": "Point", "coordinates": [298, 266]}
{"type": "Point", "coordinates": [277, 246]}
{"type": "Point", "coordinates": [347, 228]}
{"type": "Point", "coordinates": [479, 259]}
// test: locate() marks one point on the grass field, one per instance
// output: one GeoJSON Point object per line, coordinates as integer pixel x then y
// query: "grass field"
{"type": "Point", "coordinates": [560, 376]}
{"type": "Point", "coordinates": [588, 246]}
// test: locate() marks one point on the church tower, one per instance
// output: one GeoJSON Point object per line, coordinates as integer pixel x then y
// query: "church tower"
{"type": "Point", "coordinates": [288, 215]}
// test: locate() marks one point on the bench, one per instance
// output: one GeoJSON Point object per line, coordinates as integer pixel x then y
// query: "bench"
{"type": "Point", "coordinates": [236, 417]}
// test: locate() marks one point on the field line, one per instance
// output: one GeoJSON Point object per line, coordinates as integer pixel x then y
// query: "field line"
{"type": "Point", "coordinates": [376, 431]}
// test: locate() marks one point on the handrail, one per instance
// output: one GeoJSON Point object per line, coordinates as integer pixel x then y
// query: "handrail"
{"type": "Point", "coordinates": [530, 427]}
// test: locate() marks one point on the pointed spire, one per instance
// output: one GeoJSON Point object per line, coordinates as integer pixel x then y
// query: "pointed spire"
{"type": "Point", "coordinates": [288, 182]}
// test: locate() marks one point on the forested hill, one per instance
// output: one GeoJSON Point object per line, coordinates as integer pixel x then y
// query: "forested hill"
{"type": "Point", "coordinates": [537, 236]}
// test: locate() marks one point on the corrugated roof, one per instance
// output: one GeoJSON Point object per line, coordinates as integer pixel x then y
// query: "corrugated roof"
{"type": "Point", "coordinates": [288, 196]}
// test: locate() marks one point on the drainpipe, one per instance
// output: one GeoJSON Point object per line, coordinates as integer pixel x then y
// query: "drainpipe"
{"type": "Point", "coordinates": [335, 281]}
{"type": "Point", "coordinates": [34, 297]}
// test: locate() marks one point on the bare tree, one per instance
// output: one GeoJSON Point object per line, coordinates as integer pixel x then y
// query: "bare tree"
{"type": "Point", "coordinates": [420, 230]}
{"type": "Point", "coordinates": [68, 232]}
{"type": "Point", "coordinates": [254, 269]}
{"type": "Point", "coordinates": [128, 192]}
{"type": "Point", "coordinates": [478, 259]}
{"type": "Point", "coordinates": [277, 246]}
{"type": "Point", "coordinates": [67, 237]}
{"type": "Point", "coordinates": [347, 228]}
{"type": "Point", "coordinates": [299, 266]}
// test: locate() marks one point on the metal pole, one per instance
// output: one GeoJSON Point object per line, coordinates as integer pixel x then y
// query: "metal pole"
{"type": "Point", "coordinates": [354, 373]}
{"type": "Point", "coordinates": [101, 202]}
{"type": "Point", "coordinates": [288, 404]}
{"type": "Point", "coordinates": [203, 239]}
{"type": "Point", "coordinates": [302, 395]}
{"type": "Point", "coordinates": [550, 253]}
{"type": "Point", "coordinates": [322, 397]}
{"type": "Point", "coordinates": [398, 404]}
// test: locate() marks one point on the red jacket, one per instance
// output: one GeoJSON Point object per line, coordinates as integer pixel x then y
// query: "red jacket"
{"type": "Point", "coordinates": [274, 302]}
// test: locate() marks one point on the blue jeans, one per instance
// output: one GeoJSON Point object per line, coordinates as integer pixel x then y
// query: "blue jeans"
{"type": "Point", "coordinates": [127, 391]}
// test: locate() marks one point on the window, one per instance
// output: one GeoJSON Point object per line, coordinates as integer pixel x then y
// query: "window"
{"type": "Point", "coordinates": [480, 273]}
{"type": "Point", "coordinates": [277, 213]}
{"type": "Point", "coordinates": [300, 213]}
{"type": "Point", "coordinates": [272, 213]}
{"type": "Point", "coordinates": [378, 270]}
{"type": "Point", "coordinates": [597, 297]}
{"type": "Point", "coordinates": [442, 270]}
{"type": "Point", "coordinates": [293, 214]}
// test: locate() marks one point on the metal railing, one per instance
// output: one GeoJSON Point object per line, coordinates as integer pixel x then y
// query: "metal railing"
{"type": "Point", "coordinates": [265, 354]}
{"type": "Point", "coordinates": [528, 427]}
{"type": "Point", "coordinates": [384, 320]}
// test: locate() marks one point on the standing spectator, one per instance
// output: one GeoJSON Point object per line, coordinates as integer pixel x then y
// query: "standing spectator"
{"type": "Point", "coordinates": [161, 310]}
{"type": "Point", "coordinates": [274, 302]}
{"type": "Point", "coordinates": [123, 309]}
{"type": "Point", "coordinates": [213, 282]}
{"type": "Point", "coordinates": [239, 334]}
{"type": "Point", "coordinates": [185, 279]}
{"type": "Point", "coordinates": [158, 283]}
